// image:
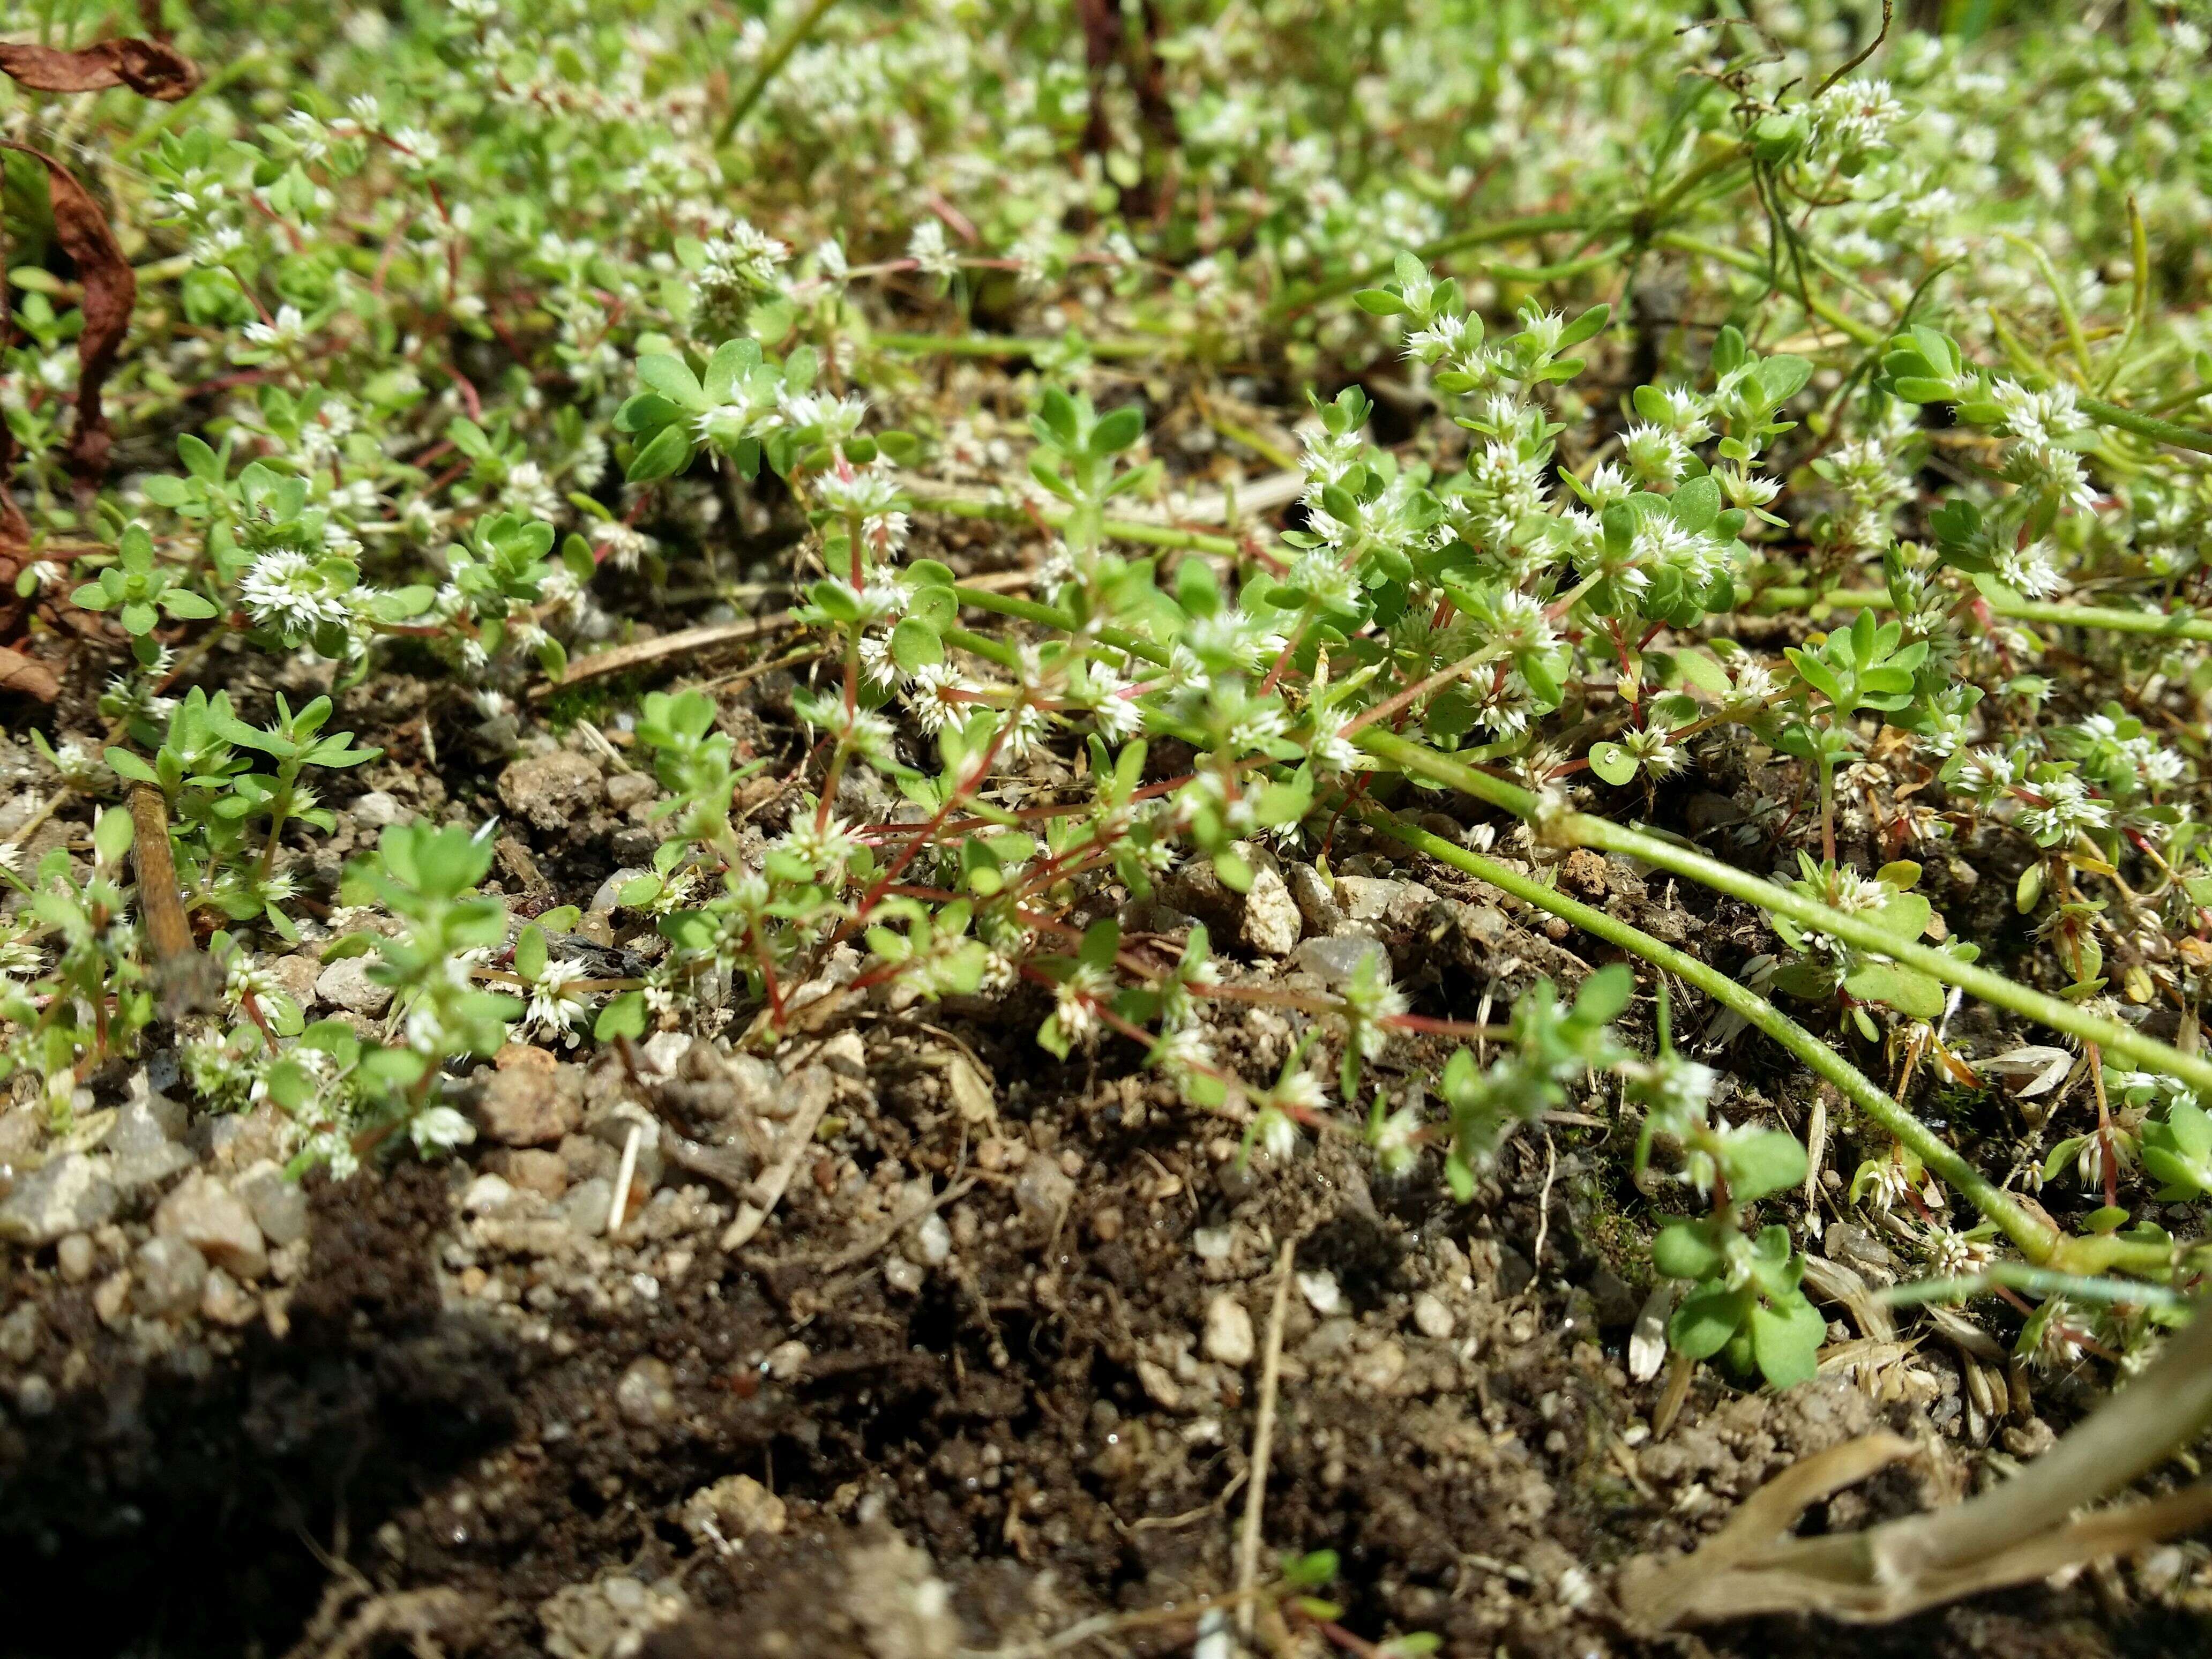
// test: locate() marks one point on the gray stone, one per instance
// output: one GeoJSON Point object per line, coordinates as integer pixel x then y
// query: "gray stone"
{"type": "Point", "coordinates": [295, 976]}
{"type": "Point", "coordinates": [34, 1397]}
{"type": "Point", "coordinates": [378, 810]}
{"type": "Point", "coordinates": [145, 1142]}
{"type": "Point", "coordinates": [1431, 1317]}
{"type": "Point", "coordinates": [551, 792]}
{"type": "Point", "coordinates": [1485, 924]}
{"type": "Point", "coordinates": [1367, 898]}
{"type": "Point", "coordinates": [626, 789]}
{"type": "Point", "coordinates": [346, 984]}
{"type": "Point", "coordinates": [214, 1221]}
{"type": "Point", "coordinates": [67, 1194]}
{"type": "Point", "coordinates": [170, 1276]}
{"type": "Point", "coordinates": [278, 1204]}
{"type": "Point", "coordinates": [19, 1334]}
{"type": "Point", "coordinates": [21, 1131]}
{"type": "Point", "coordinates": [227, 1301]}
{"type": "Point", "coordinates": [646, 1395]}
{"type": "Point", "coordinates": [1317, 906]}
{"type": "Point", "coordinates": [1333, 960]}
{"type": "Point", "coordinates": [1270, 924]}
{"type": "Point", "coordinates": [239, 1141]}
{"type": "Point", "coordinates": [587, 1205]}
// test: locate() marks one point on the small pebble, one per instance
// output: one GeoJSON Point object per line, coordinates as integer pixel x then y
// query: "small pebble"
{"type": "Point", "coordinates": [226, 1301]}
{"type": "Point", "coordinates": [934, 1239]}
{"type": "Point", "coordinates": [1432, 1317]}
{"type": "Point", "coordinates": [76, 1257]}
{"type": "Point", "coordinates": [172, 1277]}
{"type": "Point", "coordinates": [645, 1395]}
{"type": "Point", "coordinates": [19, 1334]}
{"type": "Point", "coordinates": [113, 1298]}
{"type": "Point", "coordinates": [1228, 1331]}
{"type": "Point", "coordinates": [1106, 1225]}
{"type": "Point", "coordinates": [1321, 1292]}
{"type": "Point", "coordinates": [902, 1276]}
{"type": "Point", "coordinates": [786, 1360]}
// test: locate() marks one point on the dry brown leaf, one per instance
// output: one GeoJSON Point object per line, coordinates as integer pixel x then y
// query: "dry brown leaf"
{"type": "Point", "coordinates": [110, 291]}
{"type": "Point", "coordinates": [149, 67]}
{"type": "Point", "coordinates": [26, 677]}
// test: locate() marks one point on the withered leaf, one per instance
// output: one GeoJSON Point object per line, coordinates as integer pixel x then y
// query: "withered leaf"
{"type": "Point", "coordinates": [26, 678]}
{"type": "Point", "coordinates": [150, 67]}
{"type": "Point", "coordinates": [110, 290]}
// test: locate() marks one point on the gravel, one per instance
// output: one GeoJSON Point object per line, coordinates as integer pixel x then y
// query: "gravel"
{"type": "Point", "coordinates": [168, 1277]}
{"type": "Point", "coordinates": [71, 1194]}
{"type": "Point", "coordinates": [346, 984]}
{"type": "Point", "coordinates": [1270, 921]}
{"type": "Point", "coordinates": [550, 792]}
{"type": "Point", "coordinates": [214, 1221]}
{"type": "Point", "coordinates": [1229, 1336]}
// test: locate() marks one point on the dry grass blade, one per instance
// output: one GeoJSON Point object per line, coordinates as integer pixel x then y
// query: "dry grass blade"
{"type": "Point", "coordinates": [2021, 1530]}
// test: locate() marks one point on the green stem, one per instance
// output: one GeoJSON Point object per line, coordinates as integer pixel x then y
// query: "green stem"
{"type": "Point", "coordinates": [1002, 346]}
{"type": "Point", "coordinates": [2042, 1281]}
{"type": "Point", "coordinates": [2037, 1240]}
{"type": "Point", "coordinates": [1057, 515]}
{"type": "Point", "coordinates": [1499, 230]}
{"type": "Point", "coordinates": [1555, 273]}
{"type": "Point", "coordinates": [2179, 625]}
{"type": "Point", "coordinates": [2146, 426]}
{"type": "Point", "coordinates": [1553, 823]}
{"type": "Point", "coordinates": [1046, 616]}
{"type": "Point", "coordinates": [779, 53]}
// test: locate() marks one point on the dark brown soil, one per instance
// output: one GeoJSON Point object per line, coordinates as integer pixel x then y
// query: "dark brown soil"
{"type": "Point", "coordinates": [1000, 1422]}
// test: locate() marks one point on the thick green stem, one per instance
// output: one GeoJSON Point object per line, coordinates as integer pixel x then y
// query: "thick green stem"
{"type": "Point", "coordinates": [1046, 616]}
{"type": "Point", "coordinates": [2037, 1239]}
{"type": "Point", "coordinates": [2146, 426]}
{"type": "Point", "coordinates": [1499, 230]}
{"type": "Point", "coordinates": [1000, 346]}
{"type": "Point", "coordinates": [1554, 823]}
{"type": "Point", "coordinates": [1057, 513]}
{"type": "Point", "coordinates": [2175, 625]}
{"type": "Point", "coordinates": [771, 65]}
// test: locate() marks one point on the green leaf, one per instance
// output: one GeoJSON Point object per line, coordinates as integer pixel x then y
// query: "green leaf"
{"type": "Point", "coordinates": [1611, 763]}
{"type": "Point", "coordinates": [1116, 431]}
{"type": "Point", "coordinates": [1605, 994]}
{"type": "Point", "coordinates": [1762, 1161]}
{"type": "Point", "coordinates": [1686, 1250]}
{"type": "Point", "coordinates": [671, 377]}
{"type": "Point", "coordinates": [111, 835]}
{"type": "Point", "coordinates": [1379, 302]}
{"type": "Point", "coordinates": [915, 644]}
{"type": "Point", "coordinates": [1708, 1317]}
{"type": "Point", "coordinates": [669, 453]}
{"type": "Point", "coordinates": [622, 1017]}
{"type": "Point", "coordinates": [1786, 1340]}
{"type": "Point", "coordinates": [529, 953]}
